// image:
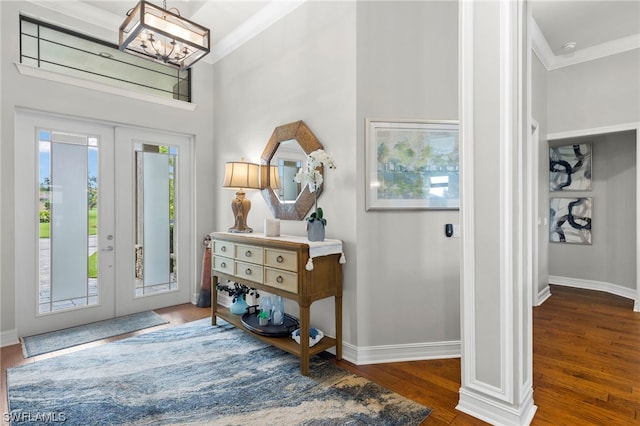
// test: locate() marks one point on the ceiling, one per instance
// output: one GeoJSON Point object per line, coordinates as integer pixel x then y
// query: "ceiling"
{"type": "Point", "coordinates": [590, 24]}
{"type": "Point", "coordinates": [587, 23]}
{"type": "Point", "coordinates": [569, 32]}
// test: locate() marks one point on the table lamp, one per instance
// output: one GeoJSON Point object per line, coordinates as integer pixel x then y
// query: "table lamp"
{"type": "Point", "coordinates": [274, 177]}
{"type": "Point", "coordinates": [241, 175]}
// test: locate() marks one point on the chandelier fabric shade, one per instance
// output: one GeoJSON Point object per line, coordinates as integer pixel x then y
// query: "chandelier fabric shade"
{"type": "Point", "coordinates": [163, 36]}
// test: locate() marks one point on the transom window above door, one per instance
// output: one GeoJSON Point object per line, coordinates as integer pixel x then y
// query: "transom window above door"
{"type": "Point", "coordinates": [64, 51]}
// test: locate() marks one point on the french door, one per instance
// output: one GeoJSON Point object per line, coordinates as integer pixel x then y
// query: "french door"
{"type": "Point", "coordinates": [103, 217]}
{"type": "Point", "coordinates": [153, 219]}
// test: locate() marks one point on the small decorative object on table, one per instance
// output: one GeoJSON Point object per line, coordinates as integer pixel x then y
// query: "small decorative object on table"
{"type": "Point", "coordinates": [310, 174]}
{"type": "Point", "coordinates": [277, 311]}
{"type": "Point", "coordinates": [266, 306]}
{"type": "Point", "coordinates": [251, 321]}
{"type": "Point", "coordinates": [263, 318]}
{"type": "Point", "coordinates": [315, 336]}
{"type": "Point", "coordinates": [239, 293]}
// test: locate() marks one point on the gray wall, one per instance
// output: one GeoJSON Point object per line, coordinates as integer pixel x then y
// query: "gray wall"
{"type": "Point", "coordinates": [612, 256]}
{"type": "Point", "coordinates": [300, 68]}
{"type": "Point", "coordinates": [539, 107]}
{"type": "Point", "coordinates": [598, 93]}
{"type": "Point", "coordinates": [407, 268]}
{"type": "Point", "coordinates": [38, 94]}
{"type": "Point", "coordinates": [332, 64]}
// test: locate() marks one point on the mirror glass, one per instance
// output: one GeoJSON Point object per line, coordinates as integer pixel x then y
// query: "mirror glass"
{"type": "Point", "coordinates": [283, 155]}
{"type": "Point", "coordinates": [287, 160]}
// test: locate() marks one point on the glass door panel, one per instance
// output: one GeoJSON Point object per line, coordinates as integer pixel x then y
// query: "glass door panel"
{"type": "Point", "coordinates": [156, 262]}
{"type": "Point", "coordinates": [154, 249]}
{"type": "Point", "coordinates": [68, 176]}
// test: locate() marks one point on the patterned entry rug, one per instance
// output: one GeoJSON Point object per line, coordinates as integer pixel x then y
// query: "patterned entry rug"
{"type": "Point", "coordinates": [74, 336]}
{"type": "Point", "coordinates": [198, 374]}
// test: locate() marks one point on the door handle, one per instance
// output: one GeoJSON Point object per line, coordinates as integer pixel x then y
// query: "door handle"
{"type": "Point", "coordinates": [108, 248]}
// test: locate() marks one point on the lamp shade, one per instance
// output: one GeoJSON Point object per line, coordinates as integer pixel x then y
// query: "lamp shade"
{"type": "Point", "coordinates": [241, 175]}
{"type": "Point", "coordinates": [155, 33]}
{"type": "Point", "coordinates": [274, 177]}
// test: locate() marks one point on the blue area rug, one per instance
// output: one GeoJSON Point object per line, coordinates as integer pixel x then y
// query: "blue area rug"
{"type": "Point", "coordinates": [74, 336]}
{"type": "Point", "coordinates": [199, 374]}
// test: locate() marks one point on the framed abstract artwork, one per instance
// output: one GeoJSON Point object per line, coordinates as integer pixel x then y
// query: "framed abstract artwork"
{"type": "Point", "coordinates": [570, 167]}
{"type": "Point", "coordinates": [570, 220]}
{"type": "Point", "coordinates": [412, 164]}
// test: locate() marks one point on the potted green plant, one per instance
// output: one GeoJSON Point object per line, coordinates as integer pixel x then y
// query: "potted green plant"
{"type": "Point", "coordinates": [238, 292]}
{"type": "Point", "coordinates": [310, 175]}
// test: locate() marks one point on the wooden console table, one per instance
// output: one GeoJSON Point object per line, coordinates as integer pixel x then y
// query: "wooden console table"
{"type": "Point", "coordinates": [288, 266]}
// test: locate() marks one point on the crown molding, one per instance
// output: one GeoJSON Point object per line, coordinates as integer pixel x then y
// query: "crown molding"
{"type": "Point", "coordinates": [260, 21]}
{"type": "Point", "coordinates": [540, 46]}
{"type": "Point", "coordinates": [552, 61]}
{"type": "Point", "coordinates": [263, 19]}
{"type": "Point", "coordinates": [598, 51]}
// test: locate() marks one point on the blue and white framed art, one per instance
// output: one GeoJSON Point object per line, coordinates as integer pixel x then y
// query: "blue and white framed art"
{"type": "Point", "coordinates": [570, 167]}
{"type": "Point", "coordinates": [570, 220]}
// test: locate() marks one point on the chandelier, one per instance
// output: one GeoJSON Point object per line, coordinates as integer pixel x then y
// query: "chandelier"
{"type": "Point", "coordinates": [162, 35]}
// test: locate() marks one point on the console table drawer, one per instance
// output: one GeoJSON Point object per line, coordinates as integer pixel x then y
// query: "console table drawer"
{"type": "Point", "coordinates": [287, 281]}
{"type": "Point", "coordinates": [223, 248]}
{"type": "Point", "coordinates": [281, 259]}
{"type": "Point", "coordinates": [251, 254]}
{"type": "Point", "coordinates": [249, 271]}
{"type": "Point", "coordinates": [223, 264]}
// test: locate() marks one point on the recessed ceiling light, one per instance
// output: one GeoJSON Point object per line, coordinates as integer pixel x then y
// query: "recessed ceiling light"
{"type": "Point", "coordinates": [570, 45]}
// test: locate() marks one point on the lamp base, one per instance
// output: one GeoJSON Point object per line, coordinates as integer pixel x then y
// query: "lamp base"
{"type": "Point", "coordinates": [240, 207]}
{"type": "Point", "coordinates": [240, 231]}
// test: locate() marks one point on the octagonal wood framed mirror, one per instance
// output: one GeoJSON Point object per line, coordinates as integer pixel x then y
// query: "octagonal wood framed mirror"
{"type": "Point", "coordinates": [286, 150]}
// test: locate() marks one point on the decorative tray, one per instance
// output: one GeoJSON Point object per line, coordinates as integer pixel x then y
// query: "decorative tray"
{"type": "Point", "coordinates": [250, 321]}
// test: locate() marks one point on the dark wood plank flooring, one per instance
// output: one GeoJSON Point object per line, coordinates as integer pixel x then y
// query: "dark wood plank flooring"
{"type": "Point", "coordinates": [586, 363]}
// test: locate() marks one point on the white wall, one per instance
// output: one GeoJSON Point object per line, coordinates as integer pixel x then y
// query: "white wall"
{"type": "Point", "coordinates": [43, 95]}
{"type": "Point", "coordinates": [611, 256]}
{"type": "Point", "coordinates": [598, 93]}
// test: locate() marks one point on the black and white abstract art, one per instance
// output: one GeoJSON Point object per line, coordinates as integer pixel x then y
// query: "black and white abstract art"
{"type": "Point", "coordinates": [570, 220]}
{"type": "Point", "coordinates": [570, 167]}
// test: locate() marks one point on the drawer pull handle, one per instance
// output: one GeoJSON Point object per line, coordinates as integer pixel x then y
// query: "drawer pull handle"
{"type": "Point", "coordinates": [223, 265]}
{"type": "Point", "coordinates": [223, 249]}
{"type": "Point", "coordinates": [279, 279]}
{"type": "Point", "coordinates": [247, 271]}
{"type": "Point", "coordinates": [248, 253]}
{"type": "Point", "coordinates": [279, 259]}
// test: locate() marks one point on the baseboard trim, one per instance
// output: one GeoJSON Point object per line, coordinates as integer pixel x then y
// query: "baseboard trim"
{"type": "Point", "coordinates": [615, 289]}
{"type": "Point", "coordinates": [496, 412]}
{"type": "Point", "coordinates": [543, 295]}
{"type": "Point", "coordinates": [8, 338]}
{"type": "Point", "coordinates": [400, 353]}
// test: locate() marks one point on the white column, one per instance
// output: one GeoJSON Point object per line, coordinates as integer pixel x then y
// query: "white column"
{"type": "Point", "coordinates": [496, 267]}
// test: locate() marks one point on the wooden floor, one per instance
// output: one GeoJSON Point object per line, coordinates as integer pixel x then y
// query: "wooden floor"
{"type": "Point", "coordinates": [586, 364]}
